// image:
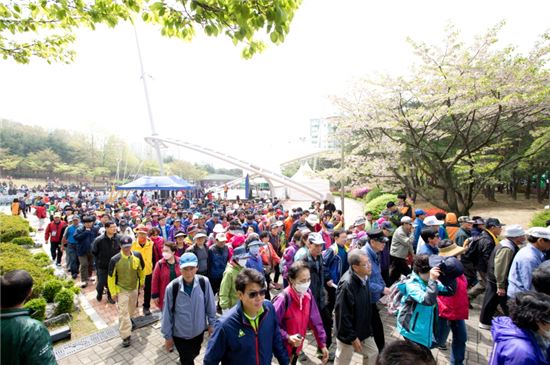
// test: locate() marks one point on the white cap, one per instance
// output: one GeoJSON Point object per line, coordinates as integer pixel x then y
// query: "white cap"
{"type": "Point", "coordinates": [221, 237]}
{"type": "Point", "coordinates": [539, 232]}
{"type": "Point", "coordinates": [432, 221]}
{"type": "Point", "coordinates": [218, 228]}
{"type": "Point", "coordinates": [514, 230]}
{"type": "Point", "coordinates": [316, 239]}
{"type": "Point", "coordinates": [406, 219]}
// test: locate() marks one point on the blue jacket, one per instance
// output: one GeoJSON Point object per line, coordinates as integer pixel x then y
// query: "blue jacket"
{"type": "Point", "coordinates": [514, 345]}
{"type": "Point", "coordinates": [84, 239]}
{"type": "Point", "coordinates": [255, 262]}
{"type": "Point", "coordinates": [217, 261]}
{"type": "Point", "coordinates": [69, 234]}
{"type": "Point", "coordinates": [521, 270]}
{"type": "Point", "coordinates": [210, 226]}
{"type": "Point", "coordinates": [427, 250]}
{"type": "Point", "coordinates": [376, 282]}
{"type": "Point", "coordinates": [234, 341]}
{"type": "Point", "coordinates": [419, 226]}
{"type": "Point", "coordinates": [332, 263]}
{"type": "Point", "coordinates": [254, 225]}
{"type": "Point", "coordinates": [416, 318]}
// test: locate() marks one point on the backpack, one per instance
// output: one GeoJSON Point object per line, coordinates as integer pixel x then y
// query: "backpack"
{"type": "Point", "coordinates": [176, 289]}
{"type": "Point", "coordinates": [393, 302]}
{"type": "Point", "coordinates": [287, 299]}
{"type": "Point", "coordinates": [473, 253]}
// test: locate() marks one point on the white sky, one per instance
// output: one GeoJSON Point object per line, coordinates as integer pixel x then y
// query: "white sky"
{"type": "Point", "coordinates": [204, 92]}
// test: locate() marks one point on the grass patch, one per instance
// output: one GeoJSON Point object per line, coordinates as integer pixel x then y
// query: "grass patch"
{"type": "Point", "coordinates": [81, 326]}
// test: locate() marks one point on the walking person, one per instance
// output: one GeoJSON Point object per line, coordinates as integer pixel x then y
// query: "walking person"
{"type": "Point", "coordinates": [126, 277]}
{"type": "Point", "coordinates": [249, 332]}
{"type": "Point", "coordinates": [228, 293]}
{"type": "Point", "coordinates": [71, 248]}
{"type": "Point", "coordinates": [401, 250]}
{"type": "Point", "coordinates": [166, 270]}
{"type": "Point", "coordinates": [297, 311]}
{"type": "Point", "coordinates": [104, 248]}
{"type": "Point", "coordinates": [498, 269]}
{"type": "Point", "coordinates": [84, 237]}
{"type": "Point", "coordinates": [54, 233]}
{"type": "Point", "coordinates": [144, 246]}
{"type": "Point", "coordinates": [353, 312]}
{"type": "Point", "coordinates": [189, 310]}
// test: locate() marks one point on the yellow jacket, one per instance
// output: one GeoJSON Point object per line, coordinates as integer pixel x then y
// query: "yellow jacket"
{"type": "Point", "coordinates": [113, 274]}
{"type": "Point", "coordinates": [146, 252]}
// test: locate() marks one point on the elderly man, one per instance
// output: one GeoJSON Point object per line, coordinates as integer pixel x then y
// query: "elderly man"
{"type": "Point", "coordinates": [401, 248]}
{"type": "Point", "coordinates": [353, 312]}
{"type": "Point", "coordinates": [465, 230]}
{"type": "Point", "coordinates": [498, 268]}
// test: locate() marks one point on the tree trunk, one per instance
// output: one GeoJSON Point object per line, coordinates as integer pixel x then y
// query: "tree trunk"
{"type": "Point", "coordinates": [528, 188]}
{"type": "Point", "coordinates": [540, 193]}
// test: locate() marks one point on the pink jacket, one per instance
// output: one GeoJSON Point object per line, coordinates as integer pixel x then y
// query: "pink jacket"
{"type": "Point", "coordinates": [161, 279]}
{"type": "Point", "coordinates": [455, 307]}
{"type": "Point", "coordinates": [297, 316]}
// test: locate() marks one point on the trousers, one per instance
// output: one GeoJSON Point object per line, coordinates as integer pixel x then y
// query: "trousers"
{"type": "Point", "coordinates": [126, 304]}
{"type": "Point", "coordinates": [344, 352]}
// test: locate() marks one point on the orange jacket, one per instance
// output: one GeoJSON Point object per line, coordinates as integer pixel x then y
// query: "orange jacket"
{"type": "Point", "coordinates": [268, 252]}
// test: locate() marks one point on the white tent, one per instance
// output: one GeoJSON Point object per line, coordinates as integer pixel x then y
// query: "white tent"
{"type": "Point", "coordinates": [305, 175]}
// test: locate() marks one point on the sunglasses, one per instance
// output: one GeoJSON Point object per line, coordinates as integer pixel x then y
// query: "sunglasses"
{"type": "Point", "coordinates": [254, 294]}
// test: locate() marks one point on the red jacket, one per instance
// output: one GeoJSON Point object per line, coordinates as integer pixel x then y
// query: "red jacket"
{"type": "Point", "coordinates": [161, 279]}
{"type": "Point", "coordinates": [158, 244]}
{"type": "Point", "coordinates": [54, 231]}
{"type": "Point", "coordinates": [455, 307]}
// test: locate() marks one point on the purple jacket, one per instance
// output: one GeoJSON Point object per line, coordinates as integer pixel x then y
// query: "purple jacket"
{"type": "Point", "coordinates": [513, 345]}
{"type": "Point", "coordinates": [288, 258]}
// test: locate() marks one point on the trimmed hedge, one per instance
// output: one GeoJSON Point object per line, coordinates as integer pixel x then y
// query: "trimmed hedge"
{"type": "Point", "coordinates": [37, 307]}
{"type": "Point", "coordinates": [540, 218]}
{"type": "Point", "coordinates": [43, 258]}
{"type": "Point", "coordinates": [24, 241]}
{"type": "Point", "coordinates": [12, 226]}
{"type": "Point", "coordinates": [377, 205]}
{"type": "Point", "coordinates": [64, 300]}
{"type": "Point", "coordinates": [15, 257]}
{"type": "Point", "coordinates": [373, 194]}
{"type": "Point", "coordinates": [51, 288]}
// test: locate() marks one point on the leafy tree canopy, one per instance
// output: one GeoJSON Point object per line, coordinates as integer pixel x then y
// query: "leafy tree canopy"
{"type": "Point", "coordinates": [45, 28]}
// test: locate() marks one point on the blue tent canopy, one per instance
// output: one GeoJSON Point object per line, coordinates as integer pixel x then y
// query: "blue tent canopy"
{"type": "Point", "coordinates": [157, 183]}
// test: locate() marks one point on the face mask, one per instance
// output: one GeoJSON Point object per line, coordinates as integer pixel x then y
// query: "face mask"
{"type": "Point", "coordinates": [242, 262]}
{"type": "Point", "coordinates": [254, 250]}
{"type": "Point", "coordinates": [302, 288]}
{"type": "Point", "coordinates": [166, 255]}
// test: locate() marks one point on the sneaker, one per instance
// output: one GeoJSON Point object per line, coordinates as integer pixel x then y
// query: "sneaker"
{"type": "Point", "coordinates": [484, 326]}
{"type": "Point", "coordinates": [110, 300]}
{"type": "Point", "coordinates": [58, 264]}
{"type": "Point", "coordinates": [99, 297]}
{"type": "Point", "coordinates": [146, 312]}
{"type": "Point", "coordinates": [126, 342]}
{"type": "Point", "coordinates": [133, 324]}
{"type": "Point", "coordinates": [74, 276]}
{"type": "Point", "coordinates": [442, 347]}
{"type": "Point", "coordinates": [83, 285]}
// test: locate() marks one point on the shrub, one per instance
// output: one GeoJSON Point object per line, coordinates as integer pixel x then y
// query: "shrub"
{"type": "Point", "coordinates": [377, 205]}
{"type": "Point", "coordinates": [51, 288]}
{"type": "Point", "coordinates": [13, 257]}
{"type": "Point", "coordinates": [23, 241]}
{"type": "Point", "coordinates": [64, 300]}
{"type": "Point", "coordinates": [42, 258]}
{"type": "Point", "coordinates": [539, 219]}
{"type": "Point", "coordinates": [37, 307]}
{"type": "Point", "coordinates": [373, 194]}
{"type": "Point", "coordinates": [12, 226]}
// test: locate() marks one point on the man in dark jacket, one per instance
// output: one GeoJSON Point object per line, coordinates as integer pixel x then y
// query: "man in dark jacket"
{"type": "Point", "coordinates": [218, 256]}
{"type": "Point", "coordinates": [249, 332]}
{"type": "Point", "coordinates": [353, 312]}
{"type": "Point", "coordinates": [497, 274]}
{"type": "Point", "coordinates": [103, 248]}
{"type": "Point", "coordinates": [465, 230]}
{"type": "Point", "coordinates": [84, 237]}
{"type": "Point", "coordinates": [486, 244]}
{"type": "Point", "coordinates": [24, 339]}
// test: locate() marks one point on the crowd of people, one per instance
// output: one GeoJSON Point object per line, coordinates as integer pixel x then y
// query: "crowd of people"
{"type": "Point", "coordinates": [256, 277]}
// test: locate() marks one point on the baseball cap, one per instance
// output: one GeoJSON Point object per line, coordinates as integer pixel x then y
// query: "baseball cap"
{"type": "Point", "coordinates": [387, 226]}
{"type": "Point", "coordinates": [179, 234]}
{"type": "Point", "coordinates": [255, 243]}
{"type": "Point", "coordinates": [493, 222]}
{"type": "Point", "coordinates": [316, 239]}
{"type": "Point", "coordinates": [57, 215]}
{"type": "Point", "coordinates": [466, 219]}
{"type": "Point", "coordinates": [221, 237]}
{"type": "Point", "coordinates": [200, 234]}
{"type": "Point", "coordinates": [432, 221]}
{"type": "Point", "coordinates": [359, 221]}
{"type": "Point", "coordinates": [419, 212]}
{"type": "Point", "coordinates": [406, 220]}
{"type": "Point", "coordinates": [377, 235]}
{"type": "Point", "coordinates": [218, 228]}
{"type": "Point", "coordinates": [188, 259]}
{"type": "Point", "coordinates": [125, 241]}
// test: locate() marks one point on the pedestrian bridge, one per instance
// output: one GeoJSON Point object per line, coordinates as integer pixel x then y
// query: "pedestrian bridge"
{"type": "Point", "coordinates": [252, 169]}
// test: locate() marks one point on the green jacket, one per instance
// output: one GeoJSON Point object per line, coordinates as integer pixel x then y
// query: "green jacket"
{"type": "Point", "coordinates": [228, 293]}
{"type": "Point", "coordinates": [24, 340]}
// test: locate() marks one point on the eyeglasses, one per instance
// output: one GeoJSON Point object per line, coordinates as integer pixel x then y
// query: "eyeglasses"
{"type": "Point", "coordinates": [254, 294]}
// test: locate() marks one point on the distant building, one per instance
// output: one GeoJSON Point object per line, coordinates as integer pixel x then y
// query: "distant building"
{"type": "Point", "coordinates": [322, 133]}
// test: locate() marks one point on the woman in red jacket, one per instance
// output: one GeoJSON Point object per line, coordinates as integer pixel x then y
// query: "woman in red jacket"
{"type": "Point", "coordinates": [166, 270]}
{"type": "Point", "coordinates": [453, 310]}
{"type": "Point", "coordinates": [158, 242]}
{"type": "Point", "coordinates": [297, 311]}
